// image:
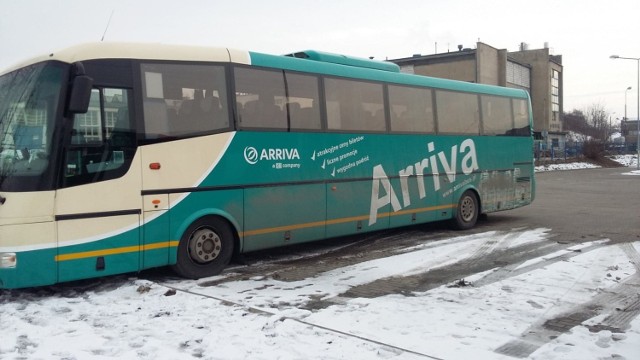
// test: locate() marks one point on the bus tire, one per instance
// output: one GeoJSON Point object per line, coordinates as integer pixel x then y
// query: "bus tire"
{"type": "Point", "coordinates": [205, 248]}
{"type": "Point", "coordinates": [467, 211]}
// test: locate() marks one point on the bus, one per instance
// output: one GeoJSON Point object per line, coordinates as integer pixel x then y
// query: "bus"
{"type": "Point", "coordinates": [120, 157]}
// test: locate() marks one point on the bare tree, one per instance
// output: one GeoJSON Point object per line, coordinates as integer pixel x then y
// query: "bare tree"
{"type": "Point", "coordinates": [576, 123]}
{"type": "Point", "coordinates": [598, 118]}
{"type": "Point", "coordinates": [592, 123]}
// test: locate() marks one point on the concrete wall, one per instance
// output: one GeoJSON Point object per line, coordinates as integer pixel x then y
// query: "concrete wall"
{"type": "Point", "coordinates": [485, 65]}
{"type": "Point", "coordinates": [459, 69]}
{"type": "Point", "coordinates": [491, 65]}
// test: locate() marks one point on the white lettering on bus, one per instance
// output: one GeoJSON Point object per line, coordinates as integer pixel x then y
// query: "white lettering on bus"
{"type": "Point", "coordinates": [279, 154]}
{"type": "Point", "coordinates": [435, 162]}
{"type": "Point", "coordinates": [271, 154]}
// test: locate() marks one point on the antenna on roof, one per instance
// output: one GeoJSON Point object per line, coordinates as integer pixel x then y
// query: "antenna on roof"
{"type": "Point", "coordinates": [107, 27]}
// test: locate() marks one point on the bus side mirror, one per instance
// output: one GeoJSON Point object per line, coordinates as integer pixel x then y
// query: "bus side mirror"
{"type": "Point", "coordinates": [80, 94]}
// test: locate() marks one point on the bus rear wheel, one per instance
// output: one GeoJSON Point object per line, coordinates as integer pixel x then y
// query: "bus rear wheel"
{"type": "Point", "coordinates": [467, 211]}
{"type": "Point", "coordinates": [205, 248]}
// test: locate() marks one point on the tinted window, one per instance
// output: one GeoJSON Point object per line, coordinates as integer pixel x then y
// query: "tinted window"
{"type": "Point", "coordinates": [496, 115]}
{"type": "Point", "coordinates": [183, 100]}
{"type": "Point", "coordinates": [411, 109]}
{"type": "Point", "coordinates": [521, 118]}
{"type": "Point", "coordinates": [103, 141]}
{"type": "Point", "coordinates": [354, 105]}
{"type": "Point", "coordinates": [260, 98]}
{"type": "Point", "coordinates": [303, 101]}
{"type": "Point", "coordinates": [458, 113]}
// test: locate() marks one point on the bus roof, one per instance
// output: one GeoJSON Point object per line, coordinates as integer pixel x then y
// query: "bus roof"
{"type": "Point", "coordinates": [307, 61]}
{"type": "Point", "coordinates": [345, 60]}
{"type": "Point", "coordinates": [142, 51]}
{"type": "Point", "coordinates": [368, 73]}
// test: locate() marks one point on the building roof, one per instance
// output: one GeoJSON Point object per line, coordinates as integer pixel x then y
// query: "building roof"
{"type": "Point", "coordinates": [435, 57]}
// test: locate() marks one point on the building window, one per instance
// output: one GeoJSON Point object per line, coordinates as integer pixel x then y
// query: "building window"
{"type": "Point", "coordinates": [518, 75]}
{"type": "Point", "coordinates": [555, 91]}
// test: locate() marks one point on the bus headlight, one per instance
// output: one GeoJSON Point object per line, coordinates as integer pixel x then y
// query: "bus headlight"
{"type": "Point", "coordinates": [8, 260]}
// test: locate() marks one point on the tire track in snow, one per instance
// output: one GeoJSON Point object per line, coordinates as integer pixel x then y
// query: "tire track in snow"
{"type": "Point", "coordinates": [490, 254]}
{"type": "Point", "coordinates": [304, 266]}
{"type": "Point", "coordinates": [621, 302]}
{"type": "Point", "coordinates": [516, 268]}
{"type": "Point", "coordinates": [622, 316]}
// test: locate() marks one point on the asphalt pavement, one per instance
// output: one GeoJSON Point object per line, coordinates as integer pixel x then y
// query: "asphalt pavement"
{"type": "Point", "coordinates": [579, 206]}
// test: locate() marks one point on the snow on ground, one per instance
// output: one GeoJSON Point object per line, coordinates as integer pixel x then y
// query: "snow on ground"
{"type": "Point", "coordinates": [567, 166]}
{"type": "Point", "coordinates": [265, 318]}
{"type": "Point", "coordinates": [626, 160]}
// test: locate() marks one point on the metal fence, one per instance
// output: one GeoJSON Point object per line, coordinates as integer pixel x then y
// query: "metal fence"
{"type": "Point", "coordinates": [563, 150]}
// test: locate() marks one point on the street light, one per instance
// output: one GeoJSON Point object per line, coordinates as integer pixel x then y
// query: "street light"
{"type": "Point", "coordinates": [637, 104]}
{"type": "Point", "coordinates": [625, 102]}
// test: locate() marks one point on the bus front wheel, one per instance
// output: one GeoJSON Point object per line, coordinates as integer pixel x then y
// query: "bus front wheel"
{"type": "Point", "coordinates": [467, 211]}
{"type": "Point", "coordinates": [205, 249]}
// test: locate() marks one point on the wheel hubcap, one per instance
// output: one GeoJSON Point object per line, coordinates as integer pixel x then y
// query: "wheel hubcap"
{"type": "Point", "coordinates": [467, 209]}
{"type": "Point", "coordinates": [204, 246]}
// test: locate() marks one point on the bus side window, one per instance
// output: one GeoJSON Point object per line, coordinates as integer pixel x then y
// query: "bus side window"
{"type": "Point", "coordinates": [302, 101]}
{"type": "Point", "coordinates": [103, 141]}
{"type": "Point", "coordinates": [497, 117]}
{"type": "Point", "coordinates": [354, 105]}
{"type": "Point", "coordinates": [411, 109]}
{"type": "Point", "coordinates": [521, 125]}
{"type": "Point", "coordinates": [183, 100]}
{"type": "Point", "coordinates": [458, 113]}
{"type": "Point", "coordinates": [261, 98]}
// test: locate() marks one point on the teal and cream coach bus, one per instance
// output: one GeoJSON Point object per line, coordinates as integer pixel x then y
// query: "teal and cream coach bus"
{"type": "Point", "coordinates": [116, 158]}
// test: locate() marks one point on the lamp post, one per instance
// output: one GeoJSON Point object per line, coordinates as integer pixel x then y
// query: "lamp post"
{"type": "Point", "coordinates": [625, 102]}
{"type": "Point", "coordinates": [637, 104]}
{"type": "Point", "coordinates": [625, 118]}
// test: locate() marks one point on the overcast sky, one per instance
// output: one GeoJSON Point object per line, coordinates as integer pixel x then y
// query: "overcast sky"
{"type": "Point", "coordinates": [584, 32]}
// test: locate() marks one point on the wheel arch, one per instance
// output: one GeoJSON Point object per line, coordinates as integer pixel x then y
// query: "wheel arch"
{"type": "Point", "coordinates": [473, 189]}
{"type": "Point", "coordinates": [466, 212]}
{"type": "Point", "coordinates": [182, 227]}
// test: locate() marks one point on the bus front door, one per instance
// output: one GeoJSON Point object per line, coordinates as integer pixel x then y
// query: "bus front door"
{"type": "Point", "coordinates": [98, 206]}
{"type": "Point", "coordinates": [98, 227]}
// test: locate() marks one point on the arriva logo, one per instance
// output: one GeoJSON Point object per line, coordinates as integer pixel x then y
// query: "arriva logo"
{"type": "Point", "coordinates": [251, 154]}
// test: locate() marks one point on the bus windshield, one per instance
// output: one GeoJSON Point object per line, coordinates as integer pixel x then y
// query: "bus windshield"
{"type": "Point", "coordinates": [29, 99]}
